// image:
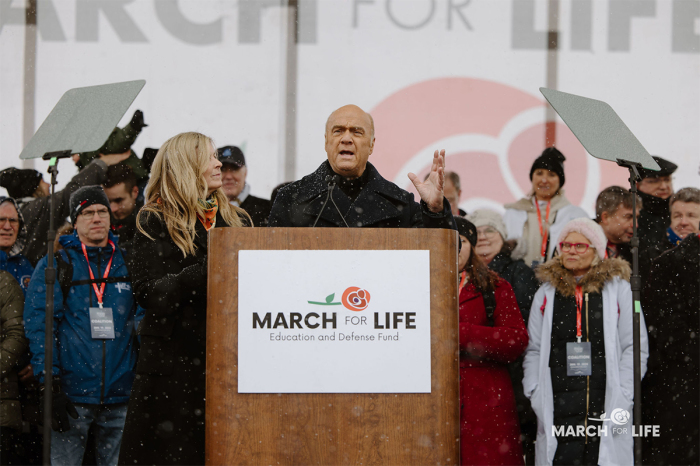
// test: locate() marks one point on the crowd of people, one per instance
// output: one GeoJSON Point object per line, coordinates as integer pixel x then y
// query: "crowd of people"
{"type": "Point", "coordinates": [545, 302]}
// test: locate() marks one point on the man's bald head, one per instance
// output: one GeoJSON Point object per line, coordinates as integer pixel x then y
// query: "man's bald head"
{"type": "Point", "coordinates": [349, 140]}
{"type": "Point", "coordinates": [356, 109]}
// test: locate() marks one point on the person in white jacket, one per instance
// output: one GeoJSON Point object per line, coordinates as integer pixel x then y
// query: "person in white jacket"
{"type": "Point", "coordinates": [579, 362]}
{"type": "Point", "coordinates": [536, 220]}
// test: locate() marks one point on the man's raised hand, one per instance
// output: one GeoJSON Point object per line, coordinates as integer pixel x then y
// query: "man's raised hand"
{"type": "Point", "coordinates": [431, 190]}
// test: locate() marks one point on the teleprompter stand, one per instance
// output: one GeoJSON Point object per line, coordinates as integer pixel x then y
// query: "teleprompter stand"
{"type": "Point", "coordinates": [81, 121]}
{"type": "Point", "coordinates": [605, 136]}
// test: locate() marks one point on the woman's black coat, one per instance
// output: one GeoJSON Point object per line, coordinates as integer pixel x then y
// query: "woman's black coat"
{"type": "Point", "coordinates": [165, 419]}
{"type": "Point", "coordinates": [521, 278]}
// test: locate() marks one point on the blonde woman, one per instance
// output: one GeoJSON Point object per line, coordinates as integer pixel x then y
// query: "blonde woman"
{"type": "Point", "coordinates": [168, 266]}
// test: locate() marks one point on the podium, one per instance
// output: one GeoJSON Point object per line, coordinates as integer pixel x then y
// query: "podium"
{"type": "Point", "coordinates": [331, 428]}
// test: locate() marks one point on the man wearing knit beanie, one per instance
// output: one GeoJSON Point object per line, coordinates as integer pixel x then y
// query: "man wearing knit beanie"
{"type": "Point", "coordinates": [90, 215]}
{"type": "Point", "coordinates": [85, 197]}
{"type": "Point", "coordinates": [95, 352]}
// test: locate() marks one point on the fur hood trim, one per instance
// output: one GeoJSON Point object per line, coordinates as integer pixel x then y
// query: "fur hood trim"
{"type": "Point", "coordinates": [563, 281]}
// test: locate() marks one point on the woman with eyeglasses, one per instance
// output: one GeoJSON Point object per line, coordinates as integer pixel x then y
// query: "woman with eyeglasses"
{"type": "Point", "coordinates": [168, 265]}
{"type": "Point", "coordinates": [578, 364]}
{"type": "Point", "coordinates": [492, 334]}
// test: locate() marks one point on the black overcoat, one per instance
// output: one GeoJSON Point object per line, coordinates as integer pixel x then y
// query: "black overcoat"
{"type": "Point", "coordinates": [654, 219]}
{"type": "Point", "coordinates": [380, 204]}
{"type": "Point", "coordinates": [258, 209]}
{"type": "Point", "coordinates": [165, 419]}
{"type": "Point", "coordinates": [671, 386]}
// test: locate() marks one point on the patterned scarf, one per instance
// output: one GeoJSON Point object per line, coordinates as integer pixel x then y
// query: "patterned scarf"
{"type": "Point", "coordinates": [211, 207]}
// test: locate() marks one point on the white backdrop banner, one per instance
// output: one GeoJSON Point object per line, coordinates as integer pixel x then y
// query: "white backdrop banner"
{"type": "Point", "coordinates": [334, 322]}
{"type": "Point", "coordinates": [462, 75]}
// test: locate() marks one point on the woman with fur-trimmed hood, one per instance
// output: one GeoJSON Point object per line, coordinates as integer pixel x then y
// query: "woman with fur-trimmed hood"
{"type": "Point", "coordinates": [584, 307]}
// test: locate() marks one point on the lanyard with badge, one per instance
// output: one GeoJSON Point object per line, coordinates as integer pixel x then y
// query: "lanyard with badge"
{"type": "Point", "coordinates": [578, 354]}
{"type": "Point", "coordinates": [101, 318]}
{"type": "Point", "coordinates": [543, 231]}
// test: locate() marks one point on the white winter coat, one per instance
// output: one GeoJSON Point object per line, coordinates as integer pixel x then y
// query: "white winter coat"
{"type": "Point", "coordinates": [615, 448]}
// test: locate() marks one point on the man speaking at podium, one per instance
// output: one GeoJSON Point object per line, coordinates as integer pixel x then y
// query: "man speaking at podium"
{"type": "Point", "coordinates": [347, 191]}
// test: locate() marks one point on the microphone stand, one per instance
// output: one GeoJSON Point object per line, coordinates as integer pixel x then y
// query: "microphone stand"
{"type": "Point", "coordinates": [332, 181]}
{"type": "Point", "coordinates": [50, 280]}
{"type": "Point", "coordinates": [636, 285]}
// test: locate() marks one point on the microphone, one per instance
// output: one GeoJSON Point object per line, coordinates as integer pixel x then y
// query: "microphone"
{"type": "Point", "coordinates": [332, 181]}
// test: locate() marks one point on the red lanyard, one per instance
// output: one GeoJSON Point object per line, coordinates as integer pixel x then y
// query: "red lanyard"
{"type": "Point", "coordinates": [543, 230]}
{"type": "Point", "coordinates": [99, 292]}
{"type": "Point", "coordinates": [579, 305]}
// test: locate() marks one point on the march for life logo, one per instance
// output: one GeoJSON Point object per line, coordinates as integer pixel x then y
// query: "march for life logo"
{"type": "Point", "coordinates": [336, 321]}
{"type": "Point", "coordinates": [619, 423]}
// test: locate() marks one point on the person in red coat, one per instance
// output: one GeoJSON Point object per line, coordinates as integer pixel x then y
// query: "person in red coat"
{"type": "Point", "coordinates": [492, 334]}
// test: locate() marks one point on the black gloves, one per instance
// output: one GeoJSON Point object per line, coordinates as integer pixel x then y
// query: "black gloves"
{"type": "Point", "coordinates": [61, 407]}
{"type": "Point", "coordinates": [137, 121]}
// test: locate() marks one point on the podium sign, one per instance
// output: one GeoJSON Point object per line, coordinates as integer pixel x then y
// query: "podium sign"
{"type": "Point", "coordinates": [337, 321]}
{"type": "Point", "coordinates": [273, 270]}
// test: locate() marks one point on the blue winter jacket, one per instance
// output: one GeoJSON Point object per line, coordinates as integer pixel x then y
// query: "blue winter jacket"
{"type": "Point", "coordinates": [92, 371]}
{"type": "Point", "coordinates": [19, 266]}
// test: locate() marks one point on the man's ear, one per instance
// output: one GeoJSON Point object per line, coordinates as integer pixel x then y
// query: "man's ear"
{"type": "Point", "coordinates": [604, 217]}
{"type": "Point", "coordinates": [134, 192]}
{"type": "Point", "coordinates": [371, 146]}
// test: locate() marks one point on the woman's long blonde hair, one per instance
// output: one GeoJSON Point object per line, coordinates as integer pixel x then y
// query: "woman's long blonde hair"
{"type": "Point", "coordinates": [177, 183]}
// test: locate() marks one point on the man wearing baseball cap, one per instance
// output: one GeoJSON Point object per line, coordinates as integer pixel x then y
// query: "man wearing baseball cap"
{"type": "Point", "coordinates": [94, 354]}
{"type": "Point", "coordinates": [233, 175]}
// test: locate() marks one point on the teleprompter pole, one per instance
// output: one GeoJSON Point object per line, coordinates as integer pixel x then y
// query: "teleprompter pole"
{"type": "Point", "coordinates": [636, 285]}
{"type": "Point", "coordinates": [50, 279]}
